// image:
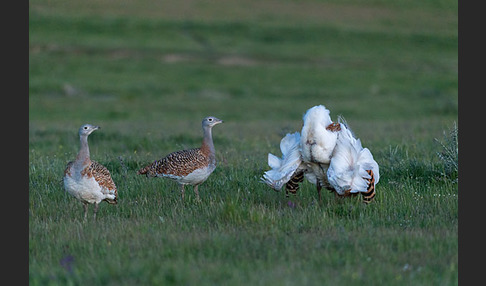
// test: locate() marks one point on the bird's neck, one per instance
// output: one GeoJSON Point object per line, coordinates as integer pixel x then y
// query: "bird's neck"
{"type": "Point", "coordinates": [83, 158]}
{"type": "Point", "coordinates": [207, 146]}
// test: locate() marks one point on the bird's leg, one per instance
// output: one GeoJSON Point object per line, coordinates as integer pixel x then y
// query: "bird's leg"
{"type": "Point", "coordinates": [96, 205]}
{"type": "Point", "coordinates": [197, 192]}
{"type": "Point", "coordinates": [85, 206]}
{"type": "Point", "coordinates": [182, 191]}
{"type": "Point", "coordinates": [319, 187]}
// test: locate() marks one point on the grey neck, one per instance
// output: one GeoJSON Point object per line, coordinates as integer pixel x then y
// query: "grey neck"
{"type": "Point", "coordinates": [83, 155]}
{"type": "Point", "coordinates": [208, 141]}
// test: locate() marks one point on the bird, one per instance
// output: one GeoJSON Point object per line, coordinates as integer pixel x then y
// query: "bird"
{"type": "Point", "coordinates": [326, 154]}
{"type": "Point", "coordinates": [352, 168]}
{"type": "Point", "coordinates": [89, 181]}
{"type": "Point", "coordinates": [318, 138]}
{"type": "Point", "coordinates": [304, 155]}
{"type": "Point", "coordinates": [190, 166]}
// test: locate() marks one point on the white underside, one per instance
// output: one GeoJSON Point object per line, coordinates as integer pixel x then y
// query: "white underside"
{"type": "Point", "coordinates": [87, 190]}
{"type": "Point", "coordinates": [195, 178]}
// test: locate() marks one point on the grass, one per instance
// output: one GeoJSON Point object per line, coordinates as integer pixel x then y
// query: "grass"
{"type": "Point", "coordinates": [147, 73]}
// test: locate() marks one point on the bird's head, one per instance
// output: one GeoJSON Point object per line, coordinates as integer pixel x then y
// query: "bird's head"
{"type": "Point", "coordinates": [210, 121]}
{"type": "Point", "coordinates": [86, 129]}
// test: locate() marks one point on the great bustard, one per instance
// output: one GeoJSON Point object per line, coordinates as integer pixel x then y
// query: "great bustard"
{"type": "Point", "coordinates": [87, 180]}
{"type": "Point", "coordinates": [326, 154]}
{"type": "Point", "coordinates": [188, 167]}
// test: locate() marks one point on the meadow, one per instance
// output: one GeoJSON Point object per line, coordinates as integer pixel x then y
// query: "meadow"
{"type": "Point", "coordinates": [147, 72]}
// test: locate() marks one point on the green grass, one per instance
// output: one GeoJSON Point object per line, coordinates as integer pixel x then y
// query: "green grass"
{"type": "Point", "coordinates": [148, 73]}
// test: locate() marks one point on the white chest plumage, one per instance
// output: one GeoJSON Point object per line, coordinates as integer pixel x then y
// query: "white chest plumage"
{"type": "Point", "coordinates": [84, 188]}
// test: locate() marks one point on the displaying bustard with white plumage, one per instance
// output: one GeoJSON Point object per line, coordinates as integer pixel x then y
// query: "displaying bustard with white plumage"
{"type": "Point", "coordinates": [188, 167]}
{"type": "Point", "coordinates": [87, 180]}
{"type": "Point", "coordinates": [328, 155]}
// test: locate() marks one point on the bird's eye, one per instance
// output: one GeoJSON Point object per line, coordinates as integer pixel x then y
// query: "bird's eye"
{"type": "Point", "coordinates": [85, 127]}
{"type": "Point", "coordinates": [210, 119]}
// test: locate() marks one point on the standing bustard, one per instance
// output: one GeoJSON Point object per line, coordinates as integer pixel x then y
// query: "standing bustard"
{"type": "Point", "coordinates": [188, 167]}
{"type": "Point", "coordinates": [87, 180]}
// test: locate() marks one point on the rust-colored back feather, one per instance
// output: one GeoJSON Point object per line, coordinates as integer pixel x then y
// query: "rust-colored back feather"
{"type": "Point", "coordinates": [334, 127]}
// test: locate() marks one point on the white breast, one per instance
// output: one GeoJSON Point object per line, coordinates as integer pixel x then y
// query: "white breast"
{"type": "Point", "coordinates": [83, 188]}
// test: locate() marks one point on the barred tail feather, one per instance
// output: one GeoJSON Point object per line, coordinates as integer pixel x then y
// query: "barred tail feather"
{"type": "Point", "coordinates": [147, 170]}
{"type": "Point", "coordinates": [143, 171]}
{"type": "Point", "coordinates": [370, 193]}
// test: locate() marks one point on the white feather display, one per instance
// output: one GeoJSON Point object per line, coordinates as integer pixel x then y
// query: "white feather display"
{"type": "Point", "coordinates": [327, 154]}
{"type": "Point", "coordinates": [317, 141]}
{"type": "Point", "coordinates": [283, 168]}
{"type": "Point", "coordinates": [348, 170]}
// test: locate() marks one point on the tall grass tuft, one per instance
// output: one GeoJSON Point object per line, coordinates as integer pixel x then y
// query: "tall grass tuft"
{"type": "Point", "coordinates": [449, 154]}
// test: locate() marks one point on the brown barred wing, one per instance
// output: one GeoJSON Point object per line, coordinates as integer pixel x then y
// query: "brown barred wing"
{"type": "Point", "coordinates": [67, 171]}
{"type": "Point", "coordinates": [103, 177]}
{"type": "Point", "coordinates": [179, 163]}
